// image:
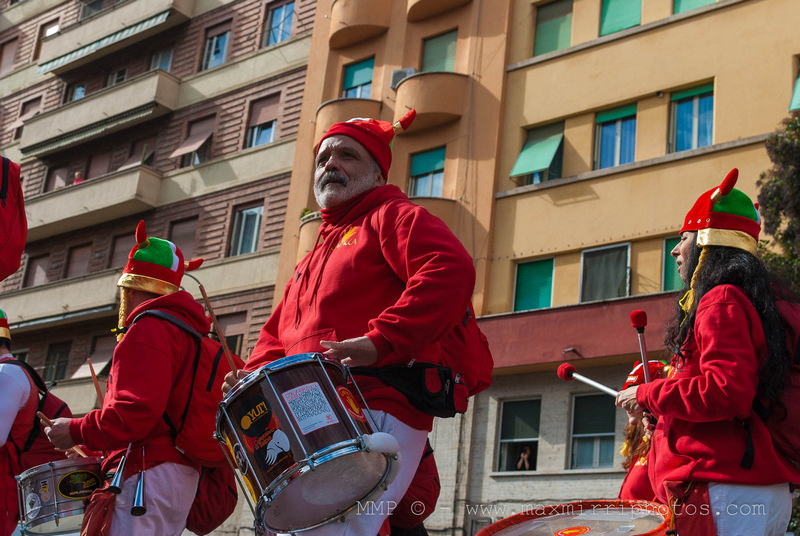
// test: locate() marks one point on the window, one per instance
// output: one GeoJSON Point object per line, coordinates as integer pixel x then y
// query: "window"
{"type": "Point", "coordinates": [36, 271]}
{"type": "Point", "coordinates": [605, 273]}
{"type": "Point", "coordinates": [427, 174]}
{"type": "Point", "coordinates": [357, 82]}
{"type": "Point", "coordinates": [279, 24]}
{"type": "Point", "coordinates": [78, 260]}
{"type": "Point", "coordinates": [671, 280]}
{"type": "Point", "coordinates": [45, 30]}
{"type": "Point", "coordinates": [519, 435]}
{"type": "Point", "coordinates": [618, 15]}
{"type": "Point", "coordinates": [692, 118]}
{"type": "Point", "coordinates": [233, 326]}
{"type": "Point", "coordinates": [196, 147]}
{"type": "Point", "coordinates": [686, 5]}
{"type": "Point", "coordinates": [182, 233]}
{"type": "Point", "coordinates": [56, 178]}
{"type": "Point", "coordinates": [541, 157]}
{"type": "Point", "coordinates": [29, 109]}
{"type": "Point", "coordinates": [141, 153]}
{"type": "Point", "coordinates": [76, 92]}
{"type": "Point", "coordinates": [553, 27]}
{"type": "Point", "coordinates": [616, 137]}
{"type": "Point", "coordinates": [439, 53]}
{"type": "Point", "coordinates": [216, 50]}
{"type": "Point", "coordinates": [121, 247]}
{"type": "Point", "coordinates": [263, 121]}
{"type": "Point", "coordinates": [592, 432]}
{"type": "Point", "coordinates": [55, 365]}
{"type": "Point", "coordinates": [795, 102]}
{"type": "Point", "coordinates": [90, 8]}
{"type": "Point", "coordinates": [102, 350]}
{"type": "Point", "coordinates": [98, 165]}
{"type": "Point", "coordinates": [161, 60]}
{"type": "Point", "coordinates": [534, 285]}
{"type": "Point", "coordinates": [116, 78]}
{"type": "Point", "coordinates": [246, 227]}
{"type": "Point", "coordinates": [8, 53]}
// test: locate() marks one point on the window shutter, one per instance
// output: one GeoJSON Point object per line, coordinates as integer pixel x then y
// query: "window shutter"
{"type": "Point", "coordinates": [618, 15]}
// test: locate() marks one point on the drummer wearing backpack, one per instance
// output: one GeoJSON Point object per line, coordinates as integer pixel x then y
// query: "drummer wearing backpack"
{"type": "Point", "coordinates": [712, 458]}
{"type": "Point", "coordinates": [147, 381]}
{"type": "Point", "coordinates": [385, 282]}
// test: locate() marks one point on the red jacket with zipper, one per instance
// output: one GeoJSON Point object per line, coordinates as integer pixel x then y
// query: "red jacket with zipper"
{"type": "Point", "coordinates": [701, 408]}
{"type": "Point", "coordinates": [148, 376]}
{"type": "Point", "coordinates": [383, 267]}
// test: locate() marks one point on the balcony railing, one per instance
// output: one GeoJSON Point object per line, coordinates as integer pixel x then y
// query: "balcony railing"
{"type": "Point", "coordinates": [137, 100]}
{"type": "Point", "coordinates": [355, 21]}
{"type": "Point", "coordinates": [438, 97]}
{"type": "Point", "coordinates": [422, 9]}
{"type": "Point", "coordinates": [91, 202]}
{"type": "Point", "coordinates": [110, 30]}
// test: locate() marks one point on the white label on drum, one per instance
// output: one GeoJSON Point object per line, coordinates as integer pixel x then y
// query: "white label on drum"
{"type": "Point", "coordinates": [310, 407]}
{"type": "Point", "coordinates": [32, 505]}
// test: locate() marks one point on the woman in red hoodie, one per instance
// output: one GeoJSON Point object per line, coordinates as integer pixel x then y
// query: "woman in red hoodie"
{"type": "Point", "coordinates": [712, 458]}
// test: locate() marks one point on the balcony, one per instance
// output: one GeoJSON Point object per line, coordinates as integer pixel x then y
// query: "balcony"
{"type": "Point", "coordinates": [355, 21]}
{"type": "Point", "coordinates": [20, 12]}
{"type": "Point", "coordinates": [113, 29]}
{"type": "Point", "coordinates": [336, 110]}
{"type": "Point", "coordinates": [536, 340]}
{"type": "Point", "coordinates": [438, 97]}
{"type": "Point", "coordinates": [139, 99]}
{"type": "Point", "coordinates": [307, 237]}
{"type": "Point", "coordinates": [443, 208]}
{"type": "Point", "coordinates": [91, 202]}
{"type": "Point", "coordinates": [423, 9]}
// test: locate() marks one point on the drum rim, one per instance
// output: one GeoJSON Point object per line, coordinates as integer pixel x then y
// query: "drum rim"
{"type": "Point", "coordinates": [58, 464]}
{"type": "Point", "coordinates": [516, 519]}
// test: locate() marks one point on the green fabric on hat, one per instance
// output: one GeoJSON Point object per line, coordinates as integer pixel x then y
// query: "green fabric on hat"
{"type": "Point", "coordinates": [161, 252]}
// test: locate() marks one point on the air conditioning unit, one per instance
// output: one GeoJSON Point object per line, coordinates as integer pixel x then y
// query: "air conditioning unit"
{"type": "Point", "coordinates": [398, 75]}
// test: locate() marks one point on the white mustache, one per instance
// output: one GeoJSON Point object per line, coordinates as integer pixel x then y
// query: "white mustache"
{"type": "Point", "coordinates": [333, 176]}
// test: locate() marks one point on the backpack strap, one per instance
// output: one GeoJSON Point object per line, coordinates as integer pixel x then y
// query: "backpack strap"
{"type": "Point", "coordinates": [43, 391]}
{"type": "Point", "coordinates": [6, 180]}
{"type": "Point", "coordinates": [197, 336]}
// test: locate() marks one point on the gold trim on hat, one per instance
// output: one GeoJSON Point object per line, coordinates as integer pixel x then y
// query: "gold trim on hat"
{"type": "Point", "coordinates": [4, 333]}
{"type": "Point", "coordinates": [727, 237]}
{"type": "Point", "coordinates": [146, 283]}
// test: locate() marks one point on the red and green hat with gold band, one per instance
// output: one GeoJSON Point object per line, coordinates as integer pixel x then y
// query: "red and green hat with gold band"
{"type": "Point", "coordinates": [725, 216]}
{"type": "Point", "coordinates": [5, 333]}
{"type": "Point", "coordinates": [155, 265]}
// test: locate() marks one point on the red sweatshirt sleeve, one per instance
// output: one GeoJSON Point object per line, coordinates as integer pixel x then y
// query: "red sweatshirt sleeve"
{"type": "Point", "coordinates": [729, 339]}
{"type": "Point", "coordinates": [143, 372]}
{"type": "Point", "coordinates": [439, 276]}
{"type": "Point", "coordinates": [269, 347]}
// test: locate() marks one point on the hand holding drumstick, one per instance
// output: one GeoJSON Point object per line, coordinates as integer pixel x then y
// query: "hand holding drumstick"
{"type": "Point", "coordinates": [57, 432]}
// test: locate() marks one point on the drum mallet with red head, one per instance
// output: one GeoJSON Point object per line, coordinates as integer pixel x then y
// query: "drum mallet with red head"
{"type": "Point", "coordinates": [567, 372]}
{"type": "Point", "coordinates": [639, 321]}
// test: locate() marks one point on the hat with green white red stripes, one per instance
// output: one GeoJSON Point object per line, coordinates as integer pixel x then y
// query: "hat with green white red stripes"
{"type": "Point", "coordinates": [155, 265]}
{"type": "Point", "coordinates": [5, 333]}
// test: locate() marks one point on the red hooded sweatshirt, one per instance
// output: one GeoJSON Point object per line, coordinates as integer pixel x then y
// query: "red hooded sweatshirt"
{"type": "Point", "coordinates": [148, 376]}
{"type": "Point", "coordinates": [382, 267]}
{"type": "Point", "coordinates": [700, 435]}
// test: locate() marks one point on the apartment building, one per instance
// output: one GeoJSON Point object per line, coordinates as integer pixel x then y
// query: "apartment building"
{"type": "Point", "coordinates": [617, 115]}
{"type": "Point", "coordinates": [180, 113]}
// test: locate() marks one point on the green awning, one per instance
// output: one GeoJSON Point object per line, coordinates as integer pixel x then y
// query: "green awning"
{"type": "Point", "coordinates": [537, 155]}
{"type": "Point", "coordinates": [618, 15]}
{"type": "Point", "coordinates": [686, 5]}
{"type": "Point", "coordinates": [692, 92]}
{"type": "Point", "coordinates": [427, 162]}
{"type": "Point", "coordinates": [617, 113]}
{"type": "Point", "coordinates": [795, 104]}
{"type": "Point", "coordinates": [104, 42]}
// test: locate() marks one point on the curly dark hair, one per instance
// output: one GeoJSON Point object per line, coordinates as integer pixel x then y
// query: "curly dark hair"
{"type": "Point", "coordinates": [734, 266]}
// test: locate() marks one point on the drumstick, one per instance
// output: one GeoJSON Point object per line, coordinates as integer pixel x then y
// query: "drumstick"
{"type": "Point", "coordinates": [48, 422]}
{"type": "Point", "coordinates": [217, 328]}
{"type": "Point", "coordinates": [96, 383]}
{"type": "Point", "coordinates": [567, 372]}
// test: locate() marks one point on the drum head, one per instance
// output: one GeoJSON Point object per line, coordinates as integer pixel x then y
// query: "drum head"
{"type": "Point", "coordinates": [585, 517]}
{"type": "Point", "coordinates": [308, 498]}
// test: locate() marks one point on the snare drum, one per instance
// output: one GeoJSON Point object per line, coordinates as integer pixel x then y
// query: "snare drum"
{"type": "Point", "coordinates": [305, 448]}
{"type": "Point", "coordinates": [632, 518]}
{"type": "Point", "coordinates": [51, 495]}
